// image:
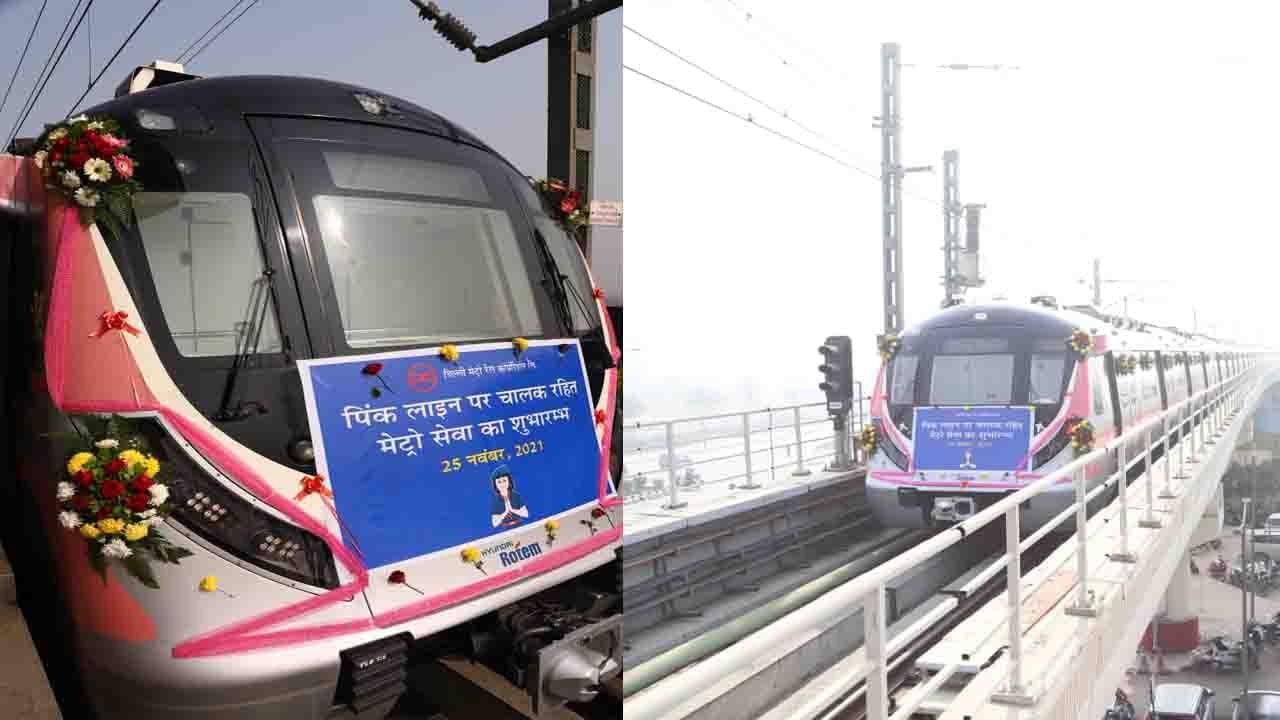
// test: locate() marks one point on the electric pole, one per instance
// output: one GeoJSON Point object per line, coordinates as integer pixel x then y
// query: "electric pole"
{"type": "Point", "coordinates": [950, 227]}
{"type": "Point", "coordinates": [571, 93]}
{"type": "Point", "coordinates": [891, 173]}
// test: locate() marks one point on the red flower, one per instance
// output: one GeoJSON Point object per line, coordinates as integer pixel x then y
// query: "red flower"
{"type": "Point", "coordinates": [79, 158]}
{"type": "Point", "coordinates": [104, 513]}
{"type": "Point", "coordinates": [600, 417]}
{"type": "Point", "coordinates": [112, 488]}
{"type": "Point", "coordinates": [597, 513]}
{"type": "Point", "coordinates": [123, 164]}
{"type": "Point", "coordinates": [597, 294]}
{"type": "Point", "coordinates": [396, 576]}
{"type": "Point", "coordinates": [115, 466]}
{"type": "Point", "coordinates": [141, 483]}
{"type": "Point", "coordinates": [372, 369]}
{"type": "Point", "coordinates": [570, 202]}
{"type": "Point", "coordinates": [84, 478]}
{"type": "Point", "coordinates": [80, 502]}
{"type": "Point", "coordinates": [138, 502]}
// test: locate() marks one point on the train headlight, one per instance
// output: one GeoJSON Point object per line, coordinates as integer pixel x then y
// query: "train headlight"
{"type": "Point", "coordinates": [223, 517]}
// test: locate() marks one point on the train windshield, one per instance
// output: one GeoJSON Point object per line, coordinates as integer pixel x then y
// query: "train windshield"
{"type": "Point", "coordinates": [419, 252]}
{"type": "Point", "coordinates": [972, 371]}
{"type": "Point", "coordinates": [1045, 381]}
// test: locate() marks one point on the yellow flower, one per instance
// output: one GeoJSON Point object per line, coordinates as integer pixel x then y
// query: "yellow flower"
{"type": "Point", "coordinates": [209, 583]}
{"type": "Point", "coordinates": [449, 353]}
{"type": "Point", "coordinates": [521, 344]}
{"type": "Point", "coordinates": [111, 526]}
{"type": "Point", "coordinates": [553, 525]}
{"type": "Point", "coordinates": [152, 466]}
{"type": "Point", "coordinates": [135, 531]}
{"type": "Point", "coordinates": [470, 555]}
{"type": "Point", "coordinates": [89, 531]}
{"type": "Point", "coordinates": [58, 134]}
{"type": "Point", "coordinates": [78, 461]}
{"type": "Point", "coordinates": [132, 457]}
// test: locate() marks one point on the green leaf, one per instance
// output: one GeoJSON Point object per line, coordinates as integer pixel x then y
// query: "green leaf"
{"type": "Point", "coordinates": [97, 560]}
{"type": "Point", "coordinates": [141, 569]}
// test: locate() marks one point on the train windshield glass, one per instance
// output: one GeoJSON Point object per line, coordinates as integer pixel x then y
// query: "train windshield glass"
{"type": "Point", "coordinates": [1046, 378]}
{"type": "Point", "coordinates": [415, 270]}
{"type": "Point", "coordinates": [902, 389]}
{"type": "Point", "coordinates": [972, 371]}
{"type": "Point", "coordinates": [207, 265]}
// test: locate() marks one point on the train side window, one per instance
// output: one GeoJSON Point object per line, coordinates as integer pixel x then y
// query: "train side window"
{"type": "Point", "coordinates": [902, 387]}
{"type": "Point", "coordinates": [206, 261]}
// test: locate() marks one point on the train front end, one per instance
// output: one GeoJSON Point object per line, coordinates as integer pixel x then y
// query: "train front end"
{"type": "Point", "coordinates": [969, 407]}
{"type": "Point", "coordinates": [303, 254]}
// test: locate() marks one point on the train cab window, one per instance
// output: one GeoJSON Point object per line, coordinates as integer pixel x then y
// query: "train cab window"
{"type": "Point", "coordinates": [1098, 389]}
{"type": "Point", "coordinates": [442, 266]}
{"type": "Point", "coordinates": [972, 371]}
{"type": "Point", "coordinates": [569, 259]}
{"type": "Point", "coordinates": [206, 261]}
{"type": "Point", "coordinates": [902, 379]}
{"type": "Point", "coordinates": [1046, 378]}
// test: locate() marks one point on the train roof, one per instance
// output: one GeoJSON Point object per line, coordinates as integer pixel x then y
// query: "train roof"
{"type": "Point", "coordinates": [223, 102]}
{"type": "Point", "coordinates": [1046, 318]}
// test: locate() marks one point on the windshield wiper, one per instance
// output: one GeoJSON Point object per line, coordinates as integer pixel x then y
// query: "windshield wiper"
{"type": "Point", "coordinates": [246, 348]}
{"type": "Point", "coordinates": [560, 287]}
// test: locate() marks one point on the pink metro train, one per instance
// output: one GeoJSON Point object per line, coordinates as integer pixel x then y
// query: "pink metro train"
{"type": "Point", "coordinates": [979, 400]}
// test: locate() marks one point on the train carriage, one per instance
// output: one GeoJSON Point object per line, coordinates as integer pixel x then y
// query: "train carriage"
{"type": "Point", "coordinates": [979, 400]}
{"type": "Point", "coordinates": [284, 222]}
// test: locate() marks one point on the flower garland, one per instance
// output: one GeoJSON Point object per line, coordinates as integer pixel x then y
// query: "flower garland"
{"type": "Point", "coordinates": [870, 438]}
{"type": "Point", "coordinates": [114, 503]}
{"type": "Point", "coordinates": [1126, 364]}
{"type": "Point", "coordinates": [85, 160]}
{"type": "Point", "coordinates": [566, 204]}
{"type": "Point", "coordinates": [888, 346]}
{"type": "Point", "coordinates": [1081, 433]}
{"type": "Point", "coordinates": [1145, 361]}
{"type": "Point", "coordinates": [1081, 342]}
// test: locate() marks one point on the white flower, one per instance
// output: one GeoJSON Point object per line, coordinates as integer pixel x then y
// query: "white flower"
{"type": "Point", "coordinates": [69, 520]}
{"type": "Point", "coordinates": [147, 513]}
{"type": "Point", "coordinates": [87, 197]}
{"type": "Point", "coordinates": [95, 125]}
{"type": "Point", "coordinates": [40, 157]}
{"type": "Point", "coordinates": [65, 491]}
{"type": "Point", "coordinates": [116, 549]}
{"type": "Point", "coordinates": [159, 493]}
{"type": "Point", "coordinates": [70, 180]}
{"type": "Point", "coordinates": [97, 169]}
{"type": "Point", "coordinates": [152, 522]}
{"type": "Point", "coordinates": [107, 443]}
{"type": "Point", "coordinates": [78, 118]}
{"type": "Point", "coordinates": [58, 134]}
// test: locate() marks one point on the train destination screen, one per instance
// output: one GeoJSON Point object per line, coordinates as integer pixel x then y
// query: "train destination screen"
{"type": "Point", "coordinates": [425, 454]}
{"type": "Point", "coordinates": [975, 439]}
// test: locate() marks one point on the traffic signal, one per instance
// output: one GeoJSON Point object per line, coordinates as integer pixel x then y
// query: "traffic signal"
{"type": "Point", "coordinates": [837, 372]}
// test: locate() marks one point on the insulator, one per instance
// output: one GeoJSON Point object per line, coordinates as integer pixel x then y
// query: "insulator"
{"type": "Point", "coordinates": [449, 27]}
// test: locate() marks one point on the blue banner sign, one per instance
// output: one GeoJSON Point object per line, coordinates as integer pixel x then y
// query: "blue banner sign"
{"type": "Point", "coordinates": [977, 439]}
{"type": "Point", "coordinates": [425, 454]}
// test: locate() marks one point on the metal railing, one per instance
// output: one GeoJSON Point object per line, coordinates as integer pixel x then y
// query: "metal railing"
{"type": "Point", "coordinates": [683, 455]}
{"type": "Point", "coordinates": [1184, 431]}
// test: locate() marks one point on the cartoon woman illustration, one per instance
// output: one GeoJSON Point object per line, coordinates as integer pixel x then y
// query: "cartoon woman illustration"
{"type": "Point", "coordinates": [507, 508]}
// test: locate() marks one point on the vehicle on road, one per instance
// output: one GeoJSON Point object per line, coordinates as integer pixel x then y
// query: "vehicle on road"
{"type": "Point", "coordinates": [1178, 701]}
{"type": "Point", "coordinates": [1261, 705]}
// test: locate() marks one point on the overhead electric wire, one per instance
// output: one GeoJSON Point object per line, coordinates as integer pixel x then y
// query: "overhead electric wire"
{"type": "Point", "coordinates": [782, 113]}
{"type": "Point", "coordinates": [204, 47]}
{"type": "Point", "coordinates": [751, 121]}
{"type": "Point", "coordinates": [23, 56]}
{"type": "Point", "coordinates": [119, 50]}
{"type": "Point", "coordinates": [37, 89]}
{"type": "Point", "coordinates": [773, 30]}
{"type": "Point", "coordinates": [209, 30]}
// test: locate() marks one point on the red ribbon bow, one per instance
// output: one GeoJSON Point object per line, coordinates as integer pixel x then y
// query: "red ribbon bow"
{"type": "Point", "coordinates": [115, 320]}
{"type": "Point", "coordinates": [313, 484]}
{"type": "Point", "coordinates": [597, 294]}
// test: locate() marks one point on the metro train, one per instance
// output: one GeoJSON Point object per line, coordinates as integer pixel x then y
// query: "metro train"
{"type": "Point", "coordinates": [979, 400]}
{"type": "Point", "coordinates": [279, 221]}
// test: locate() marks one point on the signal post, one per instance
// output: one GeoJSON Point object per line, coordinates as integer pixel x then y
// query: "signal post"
{"type": "Point", "coordinates": [837, 383]}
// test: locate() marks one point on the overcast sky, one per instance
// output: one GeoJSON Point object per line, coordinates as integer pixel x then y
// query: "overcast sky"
{"type": "Point", "coordinates": [379, 44]}
{"type": "Point", "coordinates": [1137, 132]}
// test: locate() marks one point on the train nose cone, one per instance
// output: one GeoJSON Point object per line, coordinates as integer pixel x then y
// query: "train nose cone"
{"type": "Point", "coordinates": [301, 451]}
